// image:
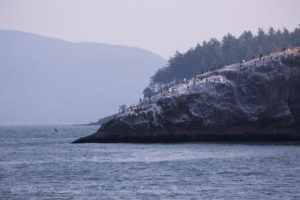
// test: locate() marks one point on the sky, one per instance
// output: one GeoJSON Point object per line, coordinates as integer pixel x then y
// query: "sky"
{"type": "Point", "coordinates": [161, 26]}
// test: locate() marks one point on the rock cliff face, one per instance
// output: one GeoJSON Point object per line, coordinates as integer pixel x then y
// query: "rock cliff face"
{"type": "Point", "coordinates": [257, 100]}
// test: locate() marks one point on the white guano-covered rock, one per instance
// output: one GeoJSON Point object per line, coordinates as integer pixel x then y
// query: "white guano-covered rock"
{"type": "Point", "coordinates": [257, 100]}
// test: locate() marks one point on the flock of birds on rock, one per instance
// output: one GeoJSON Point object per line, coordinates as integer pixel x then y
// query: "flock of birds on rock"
{"type": "Point", "coordinates": [199, 76]}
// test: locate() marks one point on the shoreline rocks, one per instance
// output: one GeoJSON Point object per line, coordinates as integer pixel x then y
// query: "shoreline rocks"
{"type": "Point", "coordinates": [258, 100]}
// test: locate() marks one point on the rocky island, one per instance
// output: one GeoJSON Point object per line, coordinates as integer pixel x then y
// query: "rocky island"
{"type": "Point", "coordinates": [257, 100]}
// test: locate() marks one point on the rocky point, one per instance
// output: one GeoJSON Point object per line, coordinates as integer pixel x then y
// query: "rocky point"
{"type": "Point", "coordinates": [257, 100]}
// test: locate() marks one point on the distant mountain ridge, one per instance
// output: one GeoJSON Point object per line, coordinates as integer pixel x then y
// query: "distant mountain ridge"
{"type": "Point", "coordinates": [47, 81]}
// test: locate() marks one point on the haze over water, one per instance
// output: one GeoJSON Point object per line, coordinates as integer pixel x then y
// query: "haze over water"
{"type": "Point", "coordinates": [38, 163]}
{"type": "Point", "coordinates": [110, 51]}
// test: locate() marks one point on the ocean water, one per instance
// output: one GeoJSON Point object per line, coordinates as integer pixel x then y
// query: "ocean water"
{"type": "Point", "coordinates": [38, 163]}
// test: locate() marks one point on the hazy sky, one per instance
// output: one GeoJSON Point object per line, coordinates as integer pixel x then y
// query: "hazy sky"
{"type": "Point", "coordinates": [162, 26]}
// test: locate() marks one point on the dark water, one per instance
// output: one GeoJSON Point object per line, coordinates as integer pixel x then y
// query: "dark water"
{"type": "Point", "coordinates": [38, 163]}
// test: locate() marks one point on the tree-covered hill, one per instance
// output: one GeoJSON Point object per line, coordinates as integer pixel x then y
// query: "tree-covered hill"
{"type": "Point", "coordinates": [215, 53]}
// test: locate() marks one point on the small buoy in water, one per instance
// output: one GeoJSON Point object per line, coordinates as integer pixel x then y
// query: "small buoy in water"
{"type": "Point", "coordinates": [55, 130]}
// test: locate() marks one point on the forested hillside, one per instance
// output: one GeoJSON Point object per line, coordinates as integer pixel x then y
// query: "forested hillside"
{"type": "Point", "coordinates": [215, 53]}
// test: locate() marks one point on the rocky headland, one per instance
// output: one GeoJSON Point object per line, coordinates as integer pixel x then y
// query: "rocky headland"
{"type": "Point", "coordinates": [256, 100]}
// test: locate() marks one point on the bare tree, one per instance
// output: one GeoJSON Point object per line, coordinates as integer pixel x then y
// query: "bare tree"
{"type": "Point", "coordinates": [122, 108]}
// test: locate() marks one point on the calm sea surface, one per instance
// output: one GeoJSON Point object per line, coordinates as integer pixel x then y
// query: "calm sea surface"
{"type": "Point", "coordinates": [38, 163]}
